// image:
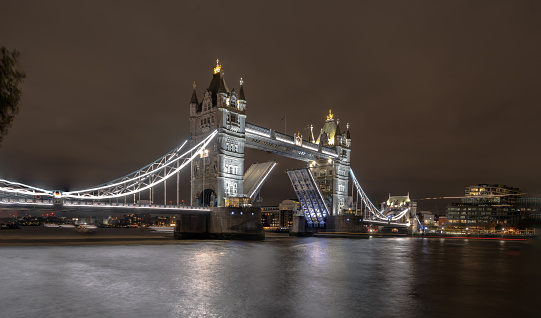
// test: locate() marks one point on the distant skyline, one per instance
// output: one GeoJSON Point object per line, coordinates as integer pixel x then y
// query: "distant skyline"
{"type": "Point", "coordinates": [439, 95]}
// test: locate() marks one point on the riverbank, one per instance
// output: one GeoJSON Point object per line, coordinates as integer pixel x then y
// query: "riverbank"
{"type": "Point", "coordinates": [43, 236]}
{"type": "Point", "coordinates": [478, 236]}
{"type": "Point", "coordinates": [40, 235]}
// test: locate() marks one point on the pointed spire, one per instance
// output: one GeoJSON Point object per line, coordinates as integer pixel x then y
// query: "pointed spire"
{"type": "Point", "coordinates": [223, 87]}
{"type": "Point", "coordinates": [330, 116]}
{"type": "Point", "coordinates": [218, 67]}
{"type": "Point", "coordinates": [311, 135]}
{"type": "Point", "coordinates": [347, 131]}
{"type": "Point", "coordinates": [241, 92]}
{"type": "Point", "coordinates": [194, 95]}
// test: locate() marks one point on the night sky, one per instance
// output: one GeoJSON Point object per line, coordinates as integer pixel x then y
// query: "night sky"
{"type": "Point", "coordinates": [439, 94]}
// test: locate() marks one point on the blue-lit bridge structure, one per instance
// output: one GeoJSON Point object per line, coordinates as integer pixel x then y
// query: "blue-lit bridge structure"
{"type": "Point", "coordinates": [215, 155]}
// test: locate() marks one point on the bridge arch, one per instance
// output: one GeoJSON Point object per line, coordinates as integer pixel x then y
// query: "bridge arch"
{"type": "Point", "coordinates": [207, 197]}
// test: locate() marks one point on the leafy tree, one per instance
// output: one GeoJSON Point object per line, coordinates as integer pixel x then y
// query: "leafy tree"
{"type": "Point", "coordinates": [10, 92]}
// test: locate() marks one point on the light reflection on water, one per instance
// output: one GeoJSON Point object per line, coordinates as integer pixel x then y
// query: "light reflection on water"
{"type": "Point", "coordinates": [285, 277]}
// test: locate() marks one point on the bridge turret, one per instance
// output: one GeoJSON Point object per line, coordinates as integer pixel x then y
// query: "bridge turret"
{"type": "Point", "coordinates": [242, 100]}
{"type": "Point", "coordinates": [217, 177]}
{"type": "Point", "coordinates": [332, 174]}
{"type": "Point", "coordinates": [194, 103]}
{"type": "Point", "coordinates": [347, 136]}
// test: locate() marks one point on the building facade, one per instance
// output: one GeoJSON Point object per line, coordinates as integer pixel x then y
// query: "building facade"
{"type": "Point", "coordinates": [280, 216]}
{"type": "Point", "coordinates": [487, 205]}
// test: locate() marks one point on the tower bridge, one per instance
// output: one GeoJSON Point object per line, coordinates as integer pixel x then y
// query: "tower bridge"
{"type": "Point", "coordinates": [219, 184]}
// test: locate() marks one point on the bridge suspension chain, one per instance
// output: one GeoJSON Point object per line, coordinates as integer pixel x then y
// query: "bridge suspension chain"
{"type": "Point", "coordinates": [146, 177]}
{"type": "Point", "coordinates": [11, 187]}
{"type": "Point", "coordinates": [142, 179]}
{"type": "Point", "coordinates": [377, 213]}
{"type": "Point", "coordinates": [371, 207]}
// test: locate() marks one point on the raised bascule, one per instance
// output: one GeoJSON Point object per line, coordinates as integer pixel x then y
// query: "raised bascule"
{"type": "Point", "coordinates": [222, 191]}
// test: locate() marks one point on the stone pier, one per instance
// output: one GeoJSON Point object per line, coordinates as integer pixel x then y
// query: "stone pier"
{"type": "Point", "coordinates": [339, 224]}
{"type": "Point", "coordinates": [221, 223]}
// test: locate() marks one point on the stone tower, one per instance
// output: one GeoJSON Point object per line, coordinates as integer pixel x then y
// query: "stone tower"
{"type": "Point", "coordinates": [217, 173]}
{"type": "Point", "coordinates": [332, 175]}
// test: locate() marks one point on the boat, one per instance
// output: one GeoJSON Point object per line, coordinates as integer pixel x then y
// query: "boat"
{"type": "Point", "coordinates": [162, 229]}
{"type": "Point", "coordinates": [84, 228]}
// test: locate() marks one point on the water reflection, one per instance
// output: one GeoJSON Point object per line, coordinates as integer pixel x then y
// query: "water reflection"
{"type": "Point", "coordinates": [291, 277]}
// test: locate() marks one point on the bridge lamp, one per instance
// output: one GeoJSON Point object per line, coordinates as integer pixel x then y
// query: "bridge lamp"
{"type": "Point", "coordinates": [204, 153]}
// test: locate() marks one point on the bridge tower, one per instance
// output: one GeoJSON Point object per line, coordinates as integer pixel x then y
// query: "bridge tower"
{"type": "Point", "coordinates": [217, 174]}
{"type": "Point", "coordinates": [332, 175]}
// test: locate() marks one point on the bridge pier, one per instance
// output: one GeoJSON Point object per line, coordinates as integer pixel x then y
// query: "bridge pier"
{"type": "Point", "coordinates": [346, 223]}
{"type": "Point", "coordinates": [300, 227]}
{"type": "Point", "coordinates": [343, 223]}
{"type": "Point", "coordinates": [221, 223]}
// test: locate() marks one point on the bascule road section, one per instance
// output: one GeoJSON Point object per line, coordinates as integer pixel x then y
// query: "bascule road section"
{"type": "Point", "coordinates": [312, 202]}
{"type": "Point", "coordinates": [222, 189]}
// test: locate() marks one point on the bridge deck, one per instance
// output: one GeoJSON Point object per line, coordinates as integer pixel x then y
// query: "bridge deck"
{"type": "Point", "coordinates": [89, 205]}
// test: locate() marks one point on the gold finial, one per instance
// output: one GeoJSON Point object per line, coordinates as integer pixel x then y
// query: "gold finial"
{"type": "Point", "coordinates": [218, 67]}
{"type": "Point", "coordinates": [330, 115]}
{"type": "Point", "coordinates": [241, 81]}
{"type": "Point", "coordinates": [194, 85]}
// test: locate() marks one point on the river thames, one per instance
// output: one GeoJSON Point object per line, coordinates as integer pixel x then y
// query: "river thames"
{"type": "Point", "coordinates": [279, 277]}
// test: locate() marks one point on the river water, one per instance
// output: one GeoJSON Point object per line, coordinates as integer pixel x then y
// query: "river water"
{"type": "Point", "coordinates": [280, 277]}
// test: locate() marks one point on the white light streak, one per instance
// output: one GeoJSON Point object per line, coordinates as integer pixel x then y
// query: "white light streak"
{"type": "Point", "coordinates": [140, 177]}
{"type": "Point", "coordinates": [202, 145]}
{"type": "Point", "coordinates": [263, 180]}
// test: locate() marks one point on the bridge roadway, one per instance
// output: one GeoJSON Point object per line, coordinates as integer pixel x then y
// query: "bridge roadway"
{"type": "Point", "coordinates": [74, 205]}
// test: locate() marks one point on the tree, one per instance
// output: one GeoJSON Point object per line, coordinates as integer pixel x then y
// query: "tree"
{"type": "Point", "coordinates": [10, 92]}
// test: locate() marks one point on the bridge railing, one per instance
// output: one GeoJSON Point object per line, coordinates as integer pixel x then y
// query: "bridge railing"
{"type": "Point", "coordinates": [329, 151]}
{"type": "Point", "coordinates": [26, 201]}
{"type": "Point", "coordinates": [265, 132]}
{"type": "Point", "coordinates": [285, 138]}
{"type": "Point", "coordinates": [75, 203]}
